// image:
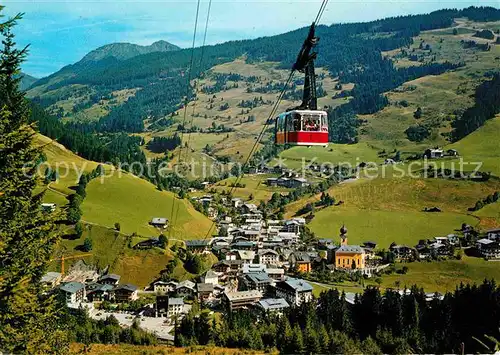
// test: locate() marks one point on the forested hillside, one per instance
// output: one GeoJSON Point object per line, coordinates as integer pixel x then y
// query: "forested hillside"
{"type": "Point", "coordinates": [350, 51]}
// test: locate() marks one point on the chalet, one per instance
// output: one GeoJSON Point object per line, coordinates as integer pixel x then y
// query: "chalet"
{"type": "Point", "coordinates": [301, 260]}
{"type": "Point", "coordinates": [228, 267]}
{"type": "Point", "coordinates": [493, 234]}
{"type": "Point", "coordinates": [297, 182]}
{"type": "Point", "coordinates": [51, 279]}
{"type": "Point", "coordinates": [369, 245]}
{"type": "Point", "coordinates": [288, 182]}
{"type": "Point", "coordinates": [259, 281]}
{"type": "Point", "coordinates": [197, 246]}
{"type": "Point", "coordinates": [247, 256]}
{"type": "Point", "coordinates": [164, 286]}
{"type": "Point", "coordinates": [273, 182]}
{"type": "Point", "coordinates": [99, 293]}
{"type": "Point", "coordinates": [249, 208]}
{"type": "Point", "coordinates": [292, 226]}
{"type": "Point", "coordinates": [74, 292]}
{"type": "Point", "coordinates": [242, 245]}
{"type": "Point", "coordinates": [147, 244]}
{"type": "Point", "coordinates": [488, 248]}
{"type": "Point", "coordinates": [237, 202]}
{"type": "Point", "coordinates": [433, 153]}
{"type": "Point", "coordinates": [230, 255]}
{"type": "Point", "coordinates": [159, 222]}
{"type": "Point", "coordinates": [276, 273]}
{"type": "Point", "coordinates": [185, 288]}
{"type": "Point", "coordinates": [169, 307]}
{"type": "Point", "coordinates": [125, 293]}
{"type": "Point", "coordinates": [241, 299]}
{"type": "Point", "coordinates": [268, 257]}
{"type": "Point", "coordinates": [253, 268]}
{"type": "Point", "coordinates": [252, 235]}
{"type": "Point", "coordinates": [48, 207]}
{"type": "Point", "coordinates": [210, 277]}
{"type": "Point", "coordinates": [350, 257]}
{"type": "Point", "coordinates": [110, 279]}
{"type": "Point", "coordinates": [205, 291]}
{"type": "Point", "coordinates": [323, 243]}
{"type": "Point", "coordinates": [289, 238]}
{"type": "Point", "coordinates": [273, 305]}
{"type": "Point", "coordinates": [294, 291]}
{"type": "Point", "coordinates": [402, 252]}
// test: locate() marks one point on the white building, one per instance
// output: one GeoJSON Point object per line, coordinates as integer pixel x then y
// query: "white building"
{"type": "Point", "coordinates": [294, 291]}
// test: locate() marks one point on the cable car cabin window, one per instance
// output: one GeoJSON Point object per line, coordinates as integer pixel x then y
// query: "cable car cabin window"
{"type": "Point", "coordinates": [312, 123]}
{"type": "Point", "coordinates": [324, 123]}
{"type": "Point", "coordinates": [289, 123]}
{"type": "Point", "coordinates": [297, 122]}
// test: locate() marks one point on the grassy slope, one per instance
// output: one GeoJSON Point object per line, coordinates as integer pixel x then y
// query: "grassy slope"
{"type": "Point", "coordinates": [111, 248]}
{"type": "Point", "coordinates": [119, 197]}
{"type": "Point", "coordinates": [133, 202]}
{"type": "Point", "coordinates": [445, 275]}
{"type": "Point", "coordinates": [483, 146]}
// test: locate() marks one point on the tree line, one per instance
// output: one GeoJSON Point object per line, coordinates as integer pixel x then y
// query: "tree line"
{"type": "Point", "coordinates": [376, 323]}
{"type": "Point", "coordinates": [487, 105]}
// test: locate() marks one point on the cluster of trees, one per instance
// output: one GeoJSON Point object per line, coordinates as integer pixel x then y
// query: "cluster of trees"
{"type": "Point", "coordinates": [256, 102]}
{"type": "Point", "coordinates": [494, 197]}
{"type": "Point", "coordinates": [473, 44]}
{"type": "Point", "coordinates": [487, 34]}
{"type": "Point", "coordinates": [82, 139]}
{"type": "Point", "coordinates": [193, 263]}
{"type": "Point", "coordinates": [164, 144]}
{"type": "Point", "coordinates": [221, 84]}
{"type": "Point", "coordinates": [376, 323]}
{"type": "Point", "coordinates": [417, 133]}
{"type": "Point", "coordinates": [85, 330]}
{"type": "Point", "coordinates": [74, 212]}
{"type": "Point", "coordinates": [487, 104]}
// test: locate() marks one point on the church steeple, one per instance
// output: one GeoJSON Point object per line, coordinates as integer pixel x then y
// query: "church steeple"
{"type": "Point", "coordinates": [343, 235]}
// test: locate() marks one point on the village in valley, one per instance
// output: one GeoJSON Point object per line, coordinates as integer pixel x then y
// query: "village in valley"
{"type": "Point", "coordinates": [254, 262]}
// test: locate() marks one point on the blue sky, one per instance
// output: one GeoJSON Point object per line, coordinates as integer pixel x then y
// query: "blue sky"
{"type": "Point", "coordinates": [61, 32]}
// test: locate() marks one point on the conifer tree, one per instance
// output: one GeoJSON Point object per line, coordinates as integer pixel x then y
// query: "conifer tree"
{"type": "Point", "coordinates": [28, 319]}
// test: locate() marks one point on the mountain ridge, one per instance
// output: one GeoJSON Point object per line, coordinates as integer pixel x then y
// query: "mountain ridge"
{"type": "Point", "coordinates": [27, 81]}
{"type": "Point", "coordinates": [125, 50]}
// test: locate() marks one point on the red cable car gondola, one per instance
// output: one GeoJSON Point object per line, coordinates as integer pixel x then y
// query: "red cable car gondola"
{"type": "Point", "coordinates": [304, 125]}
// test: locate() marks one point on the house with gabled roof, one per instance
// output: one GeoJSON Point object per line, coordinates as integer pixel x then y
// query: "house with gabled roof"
{"type": "Point", "coordinates": [301, 260]}
{"type": "Point", "coordinates": [125, 293]}
{"type": "Point", "coordinates": [197, 246]}
{"type": "Point", "coordinates": [110, 279]}
{"type": "Point", "coordinates": [268, 257]}
{"type": "Point", "coordinates": [294, 291]}
{"type": "Point", "coordinates": [255, 281]}
{"type": "Point", "coordinates": [99, 293]}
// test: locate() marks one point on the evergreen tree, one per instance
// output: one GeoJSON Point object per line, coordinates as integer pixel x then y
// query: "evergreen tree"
{"type": "Point", "coordinates": [87, 244]}
{"type": "Point", "coordinates": [297, 340]}
{"type": "Point", "coordinates": [28, 319]}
